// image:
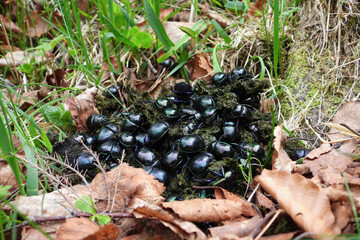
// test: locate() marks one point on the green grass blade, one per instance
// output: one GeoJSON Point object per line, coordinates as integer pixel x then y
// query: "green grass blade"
{"type": "Point", "coordinates": [261, 60]}
{"type": "Point", "coordinates": [221, 31]}
{"type": "Point", "coordinates": [32, 186]}
{"type": "Point", "coordinates": [156, 4]}
{"type": "Point", "coordinates": [7, 150]}
{"type": "Point", "coordinates": [235, 6]}
{"type": "Point", "coordinates": [216, 64]}
{"type": "Point", "coordinates": [117, 34]}
{"type": "Point", "coordinates": [176, 11]}
{"type": "Point", "coordinates": [156, 25]}
{"type": "Point", "coordinates": [353, 207]}
{"type": "Point", "coordinates": [181, 42]}
{"type": "Point", "coordinates": [276, 41]}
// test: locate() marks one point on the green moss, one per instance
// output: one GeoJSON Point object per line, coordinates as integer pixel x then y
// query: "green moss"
{"type": "Point", "coordinates": [311, 83]}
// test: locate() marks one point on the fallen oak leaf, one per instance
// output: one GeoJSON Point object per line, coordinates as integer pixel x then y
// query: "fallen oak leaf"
{"type": "Point", "coordinates": [81, 107]}
{"type": "Point", "coordinates": [107, 232]}
{"type": "Point", "coordinates": [37, 26]}
{"type": "Point", "coordinates": [57, 79]}
{"type": "Point", "coordinates": [301, 199]}
{"type": "Point", "coordinates": [76, 228]}
{"type": "Point", "coordinates": [210, 210]}
{"type": "Point", "coordinates": [348, 114]}
{"type": "Point", "coordinates": [239, 229]}
{"type": "Point", "coordinates": [185, 229]}
{"type": "Point", "coordinates": [280, 159]}
{"type": "Point", "coordinates": [124, 183]}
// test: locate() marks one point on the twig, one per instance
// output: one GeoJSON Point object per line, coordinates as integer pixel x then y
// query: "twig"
{"type": "Point", "coordinates": [6, 82]}
{"type": "Point", "coordinates": [149, 63]}
{"type": "Point", "coordinates": [275, 215]}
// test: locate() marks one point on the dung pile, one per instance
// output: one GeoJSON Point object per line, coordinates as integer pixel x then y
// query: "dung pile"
{"type": "Point", "coordinates": [205, 135]}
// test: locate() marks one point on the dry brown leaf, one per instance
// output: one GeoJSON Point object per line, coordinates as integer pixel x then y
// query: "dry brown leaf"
{"type": "Point", "coordinates": [164, 12]}
{"type": "Point", "coordinates": [76, 228]}
{"type": "Point", "coordinates": [255, 7]}
{"type": "Point", "coordinates": [221, 193]}
{"type": "Point", "coordinates": [281, 236]}
{"type": "Point", "coordinates": [223, 21]}
{"type": "Point", "coordinates": [329, 166]}
{"type": "Point", "coordinates": [184, 229]}
{"type": "Point", "coordinates": [280, 159]}
{"type": "Point", "coordinates": [30, 233]}
{"type": "Point", "coordinates": [173, 31]}
{"type": "Point", "coordinates": [37, 26]}
{"type": "Point", "coordinates": [17, 58]}
{"type": "Point", "coordinates": [348, 114]}
{"type": "Point", "coordinates": [239, 229]}
{"type": "Point", "coordinates": [264, 201]}
{"type": "Point", "coordinates": [315, 153]}
{"type": "Point", "coordinates": [210, 210]}
{"type": "Point", "coordinates": [51, 204]}
{"type": "Point", "coordinates": [199, 67]}
{"type": "Point", "coordinates": [9, 25]}
{"type": "Point", "coordinates": [301, 199]}
{"type": "Point", "coordinates": [343, 213]}
{"type": "Point", "coordinates": [57, 79]}
{"type": "Point", "coordinates": [268, 105]}
{"type": "Point", "coordinates": [125, 182]}
{"type": "Point", "coordinates": [81, 107]}
{"type": "Point", "coordinates": [7, 177]}
{"type": "Point", "coordinates": [107, 232]}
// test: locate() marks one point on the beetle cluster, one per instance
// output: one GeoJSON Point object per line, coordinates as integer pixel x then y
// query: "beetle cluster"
{"type": "Point", "coordinates": [197, 128]}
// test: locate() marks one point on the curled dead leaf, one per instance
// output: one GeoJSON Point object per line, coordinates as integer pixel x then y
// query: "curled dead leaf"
{"type": "Point", "coordinates": [76, 228]}
{"type": "Point", "coordinates": [280, 159]}
{"type": "Point", "coordinates": [301, 199]}
{"type": "Point", "coordinates": [57, 79]}
{"type": "Point", "coordinates": [36, 24]}
{"type": "Point", "coordinates": [81, 107]}
{"type": "Point", "coordinates": [125, 183]}
{"type": "Point", "coordinates": [210, 210]}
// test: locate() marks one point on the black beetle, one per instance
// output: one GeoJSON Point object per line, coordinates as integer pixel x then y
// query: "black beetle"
{"type": "Point", "coordinates": [113, 91]}
{"type": "Point", "coordinates": [219, 78]}
{"type": "Point", "coordinates": [230, 132]}
{"type": "Point", "coordinates": [146, 157]}
{"type": "Point", "coordinates": [190, 126]}
{"type": "Point", "coordinates": [252, 148]}
{"type": "Point", "coordinates": [242, 113]}
{"type": "Point", "coordinates": [240, 73]}
{"type": "Point", "coordinates": [106, 133]}
{"type": "Point", "coordinates": [162, 103]}
{"type": "Point", "coordinates": [191, 143]}
{"type": "Point", "coordinates": [221, 149]}
{"type": "Point", "coordinates": [85, 138]}
{"type": "Point", "coordinates": [182, 89]}
{"type": "Point", "coordinates": [169, 64]}
{"type": "Point", "coordinates": [172, 159]}
{"type": "Point", "coordinates": [109, 151]}
{"type": "Point", "coordinates": [200, 162]}
{"type": "Point", "coordinates": [157, 131]}
{"type": "Point", "coordinates": [133, 122]}
{"type": "Point", "coordinates": [84, 161]}
{"type": "Point", "coordinates": [96, 121]}
{"type": "Point", "coordinates": [112, 165]}
{"type": "Point", "coordinates": [158, 173]}
{"type": "Point", "coordinates": [127, 140]}
{"type": "Point", "coordinates": [202, 102]}
{"type": "Point", "coordinates": [299, 153]}
{"type": "Point", "coordinates": [141, 139]}
{"type": "Point", "coordinates": [171, 115]}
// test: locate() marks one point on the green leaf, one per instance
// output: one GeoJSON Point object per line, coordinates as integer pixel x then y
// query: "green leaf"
{"type": "Point", "coordinates": [54, 113]}
{"type": "Point", "coordinates": [235, 6]}
{"type": "Point", "coordinates": [85, 206]}
{"type": "Point", "coordinates": [117, 34]}
{"type": "Point", "coordinates": [4, 191]}
{"type": "Point", "coordinates": [142, 40]}
{"type": "Point", "coordinates": [216, 64]}
{"type": "Point", "coordinates": [221, 31]}
{"type": "Point", "coordinates": [132, 31]}
{"type": "Point", "coordinates": [156, 25]}
{"type": "Point", "coordinates": [102, 219]}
